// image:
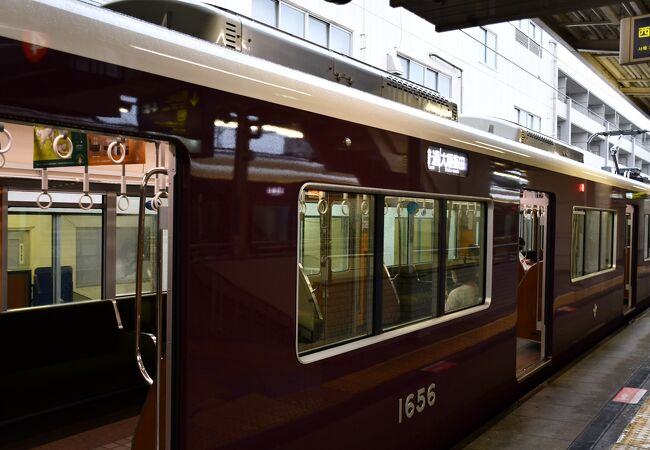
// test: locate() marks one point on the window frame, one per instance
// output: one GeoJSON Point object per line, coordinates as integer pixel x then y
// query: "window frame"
{"type": "Point", "coordinates": [65, 205]}
{"type": "Point", "coordinates": [486, 48]}
{"type": "Point", "coordinates": [584, 209]}
{"type": "Point", "coordinates": [380, 336]}
{"type": "Point", "coordinates": [531, 30]}
{"type": "Point", "coordinates": [529, 116]}
{"type": "Point", "coordinates": [427, 72]}
{"type": "Point", "coordinates": [307, 15]}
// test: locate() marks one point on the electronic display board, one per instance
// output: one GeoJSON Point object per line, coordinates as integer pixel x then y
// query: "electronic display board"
{"type": "Point", "coordinates": [635, 40]}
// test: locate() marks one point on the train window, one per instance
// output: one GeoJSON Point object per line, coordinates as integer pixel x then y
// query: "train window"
{"type": "Point", "coordinates": [54, 255]}
{"type": "Point", "coordinates": [411, 243]}
{"type": "Point", "coordinates": [126, 244]}
{"type": "Point", "coordinates": [335, 268]}
{"type": "Point", "coordinates": [606, 240]}
{"type": "Point", "coordinates": [310, 249]}
{"type": "Point", "coordinates": [646, 253]}
{"type": "Point", "coordinates": [82, 237]}
{"type": "Point", "coordinates": [433, 255]}
{"type": "Point", "coordinates": [465, 247]}
{"type": "Point", "coordinates": [592, 241]}
{"type": "Point", "coordinates": [340, 236]}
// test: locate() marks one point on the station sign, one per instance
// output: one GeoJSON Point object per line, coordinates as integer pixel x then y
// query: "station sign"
{"type": "Point", "coordinates": [446, 161]}
{"type": "Point", "coordinates": [634, 45]}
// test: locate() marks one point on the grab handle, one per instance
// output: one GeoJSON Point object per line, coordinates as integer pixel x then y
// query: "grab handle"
{"type": "Point", "coordinates": [112, 154]}
{"type": "Point", "coordinates": [123, 199]}
{"type": "Point", "coordinates": [138, 271]}
{"type": "Point", "coordinates": [68, 143]}
{"type": "Point", "coordinates": [86, 201]}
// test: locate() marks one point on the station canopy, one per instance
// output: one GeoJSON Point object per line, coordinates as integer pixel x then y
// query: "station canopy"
{"type": "Point", "coordinates": [590, 27]}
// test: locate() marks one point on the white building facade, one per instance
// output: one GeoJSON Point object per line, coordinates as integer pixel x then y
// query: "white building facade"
{"type": "Point", "coordinates": [514, 71]}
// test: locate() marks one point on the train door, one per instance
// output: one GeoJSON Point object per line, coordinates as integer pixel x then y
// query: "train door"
{"type": "Point", "coordinates": [630, 267]}
{"type": "Point", "coordinates": [153, 430]}
{"type": "Point", "coordinates": [531, 293]}
{"type": "Point", "coordinates": [68, 274]}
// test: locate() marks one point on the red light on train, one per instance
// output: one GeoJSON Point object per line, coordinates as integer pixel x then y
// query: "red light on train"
{"type": "Point", "coordinates": [581, 187]}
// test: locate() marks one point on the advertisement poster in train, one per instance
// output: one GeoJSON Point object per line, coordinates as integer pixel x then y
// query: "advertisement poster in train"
{"type": "Point", "coordinates": [45, 155]}
{"type": "Point", "coordinates": [98, 150]}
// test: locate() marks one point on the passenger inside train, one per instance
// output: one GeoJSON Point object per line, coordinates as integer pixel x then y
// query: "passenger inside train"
{"type": "Point", "coordinates": [466, 292]}
{"type": "Point", "coordinates": [525, 261]}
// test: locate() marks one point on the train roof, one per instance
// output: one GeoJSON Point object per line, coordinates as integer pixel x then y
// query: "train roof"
{"type": "Point", "coordinates": [104, 35]}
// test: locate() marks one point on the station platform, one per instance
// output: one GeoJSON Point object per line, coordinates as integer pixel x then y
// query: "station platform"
{"type": "Point", "coordinates": [600, 401]}
{"type": "Point", "coordinates": [82, 429]}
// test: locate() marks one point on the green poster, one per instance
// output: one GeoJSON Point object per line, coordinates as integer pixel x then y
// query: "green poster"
{"type": "Point", "coordinates": [45, 156]}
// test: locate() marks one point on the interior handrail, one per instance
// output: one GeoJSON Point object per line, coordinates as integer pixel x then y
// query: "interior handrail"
{"type": "Point", "coordinates": [139, 268]}
{"type": "Point", "coordinates": [312, 291]}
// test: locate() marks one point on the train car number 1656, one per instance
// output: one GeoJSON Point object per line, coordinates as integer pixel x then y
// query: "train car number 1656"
{"type": "Point", "coordinates": [416, 402]}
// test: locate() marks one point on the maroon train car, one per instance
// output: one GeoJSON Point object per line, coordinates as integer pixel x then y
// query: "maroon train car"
{"type": "Point", "coordinates": [344, 270]}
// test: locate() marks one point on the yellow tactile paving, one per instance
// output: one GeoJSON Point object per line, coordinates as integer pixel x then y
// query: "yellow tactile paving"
{"type": "Point", "coordinates": [637, 433]}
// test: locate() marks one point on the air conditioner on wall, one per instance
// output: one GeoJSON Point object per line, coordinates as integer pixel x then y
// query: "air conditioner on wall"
{"type": "Point", "coordinates": [393, 64]}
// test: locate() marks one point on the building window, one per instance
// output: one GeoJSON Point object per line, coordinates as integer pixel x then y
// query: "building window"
{"type": "Point", "coordinates": [434, 252]}
{"type": "Point", "coordinates": [300, 23]}
{"type": "Point", "coordinates": [528, 120]}
{"type": "Point", "coordinates": [425, 76]}
{"type": "Point", "coordinates": [265, 11]}
{"type": "Point", "coordinates": [292, 20]}
{"type": "Point", "coordinates": [317, 31]}
{"type": "Point", "coordinates": [529, 35]}
{"type": "Point", "coordinates": [592, 241]}
{"type": "Point", "coordinates": [489, 48]}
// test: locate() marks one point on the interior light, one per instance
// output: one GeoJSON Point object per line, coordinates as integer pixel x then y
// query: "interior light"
{"type": "Point", "coordinates": [221, 124]}
{"type": "Point", "coordinates": [286, 132]}
{"type": "Point", "coordinates": [128, 99]}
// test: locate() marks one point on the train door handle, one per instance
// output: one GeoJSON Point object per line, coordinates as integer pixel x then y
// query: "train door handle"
{"type": "Point", "coordinates": [138, 272]}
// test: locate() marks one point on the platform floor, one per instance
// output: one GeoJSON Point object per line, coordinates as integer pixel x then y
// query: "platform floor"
{"type": "Point", "coordinates": [597, 402]}
{"type": "Point", "coordinates": [102, 432]}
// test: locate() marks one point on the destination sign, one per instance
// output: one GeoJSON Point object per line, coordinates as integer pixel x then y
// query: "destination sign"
{"type": "Point", "coordinates": [634, 42]}
{"type": "Point", "coordinates": [641, 37]}
{"type": "Point", "coordinates": [447, 161]}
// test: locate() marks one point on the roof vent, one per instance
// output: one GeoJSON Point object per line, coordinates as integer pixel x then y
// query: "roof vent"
{"type": "Point", "coordinates": [543, 142]}
{"type": "Point", "coordinates": [192, 18]}
{"type": "Point", "coordinates": [412, 94]}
